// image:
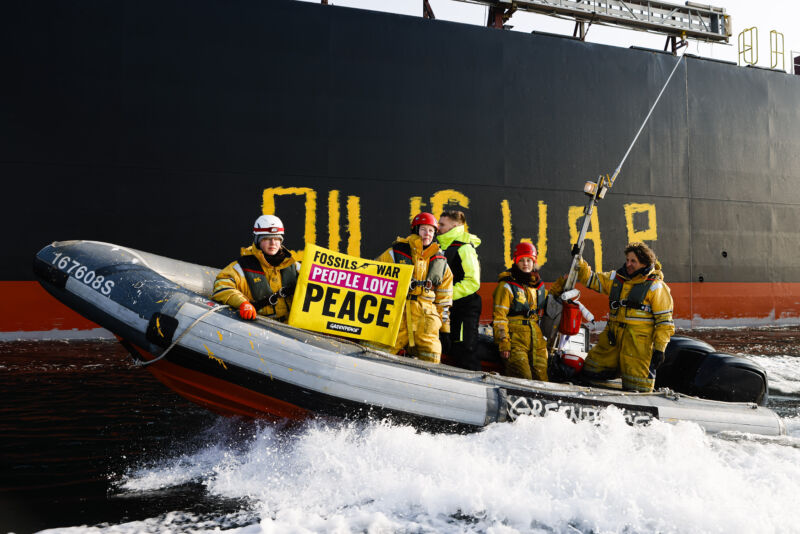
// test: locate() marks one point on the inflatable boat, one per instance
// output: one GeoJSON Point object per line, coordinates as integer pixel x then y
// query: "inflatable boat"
{"type": "Point", "coordinates": [160, 311]}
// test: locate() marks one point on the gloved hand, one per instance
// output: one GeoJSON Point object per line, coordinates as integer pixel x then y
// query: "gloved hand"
{"type": "Point", "coordinates": [447, 344]}
{"type": "Point", "coordinates": [657, 359]}
{"type": "Point", "coordinates": [247, 311]}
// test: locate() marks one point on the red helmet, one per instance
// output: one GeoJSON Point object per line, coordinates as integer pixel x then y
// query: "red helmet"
{"type": "Point", "coordinates": [423, 218]}
{"type": "Point", "coordinates": [524, 250]}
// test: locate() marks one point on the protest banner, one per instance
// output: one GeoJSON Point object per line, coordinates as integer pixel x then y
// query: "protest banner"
{"type": "Point", "coordinates": [350, 296]}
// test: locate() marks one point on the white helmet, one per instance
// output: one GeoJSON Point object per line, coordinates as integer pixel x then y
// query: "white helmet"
{"type": "Point", "coordinates": [267, 226]}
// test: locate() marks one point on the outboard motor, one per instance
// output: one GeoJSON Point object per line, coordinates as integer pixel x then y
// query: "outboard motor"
{"type": "Point", "coordinates": [566, 362]}
{"type": "Point", "coordinates": [694, 368]}
{"type": "Point", "coordinates": [487, 352]}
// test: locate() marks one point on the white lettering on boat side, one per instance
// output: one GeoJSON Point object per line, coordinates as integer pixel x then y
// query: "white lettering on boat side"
{"type": "Point", "coordinates": [517, 406]}
{"type": "Point", "coordinates": [80, 272]}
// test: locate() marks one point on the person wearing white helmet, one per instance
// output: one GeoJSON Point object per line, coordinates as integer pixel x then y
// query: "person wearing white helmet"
{"type": "Point", "coordinates": [263, 279]}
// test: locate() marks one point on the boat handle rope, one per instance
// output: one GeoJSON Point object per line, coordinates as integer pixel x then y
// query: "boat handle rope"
{"type": "Point", "coordinates": [142, 363]}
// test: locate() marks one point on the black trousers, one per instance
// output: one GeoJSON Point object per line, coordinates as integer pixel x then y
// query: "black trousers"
{"type": "Point", "coordinates": [464, 317]}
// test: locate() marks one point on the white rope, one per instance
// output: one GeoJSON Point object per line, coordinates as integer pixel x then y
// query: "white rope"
{"type": "Point", "coordinates": [140, 363]}
{"type": "Point", "coordinates": [621, 163]}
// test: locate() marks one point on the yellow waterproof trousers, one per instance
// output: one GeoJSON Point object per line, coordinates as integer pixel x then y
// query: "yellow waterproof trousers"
{"type": "Point", "coordinates": [623, 350]}
{"type": "Point", "coordinates": [419, 332]}
{"type": "Point", "coordinates": [528, 358]}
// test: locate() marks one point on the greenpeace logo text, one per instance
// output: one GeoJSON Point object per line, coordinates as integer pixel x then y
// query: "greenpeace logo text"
{"type": "Point", "coordinates": [518, 405]}
{"type": "Point", "coordinates": [344, 328]}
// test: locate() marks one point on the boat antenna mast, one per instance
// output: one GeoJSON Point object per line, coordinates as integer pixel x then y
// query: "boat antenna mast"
{"type": "Point", "coordinates": [596, 190]}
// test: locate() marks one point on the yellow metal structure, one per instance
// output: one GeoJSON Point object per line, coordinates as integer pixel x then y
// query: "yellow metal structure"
{"type": "Point", "coordinates": [748, 46]}
{"type": "Point", "coordinates": [776, 49]}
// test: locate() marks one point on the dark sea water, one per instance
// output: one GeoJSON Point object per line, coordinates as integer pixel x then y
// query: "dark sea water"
{"type": "Point", "coordinates": [89, 440]}
{"type": "Point", "coordinates": [74, 416]}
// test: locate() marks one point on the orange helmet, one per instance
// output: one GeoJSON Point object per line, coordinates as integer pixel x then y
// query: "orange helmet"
{"type": "Point", "coordinates": [524, 250]}
{"type": "Point", "coordinates": [423, 218]}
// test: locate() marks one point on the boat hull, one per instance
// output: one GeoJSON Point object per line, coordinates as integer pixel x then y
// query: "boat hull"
{"type": "Point", "coordinates": [265, 368]}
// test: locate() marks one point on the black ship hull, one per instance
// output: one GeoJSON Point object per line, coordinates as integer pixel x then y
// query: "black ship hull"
{"type": "Point", "coordinates": [170, 126]}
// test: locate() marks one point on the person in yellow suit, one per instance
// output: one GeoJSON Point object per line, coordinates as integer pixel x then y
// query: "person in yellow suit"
{"type": "Point", "coordinates": [263, 279]}
{"type": "Point", "coordinates": [639, 320]}
{"type": "Point", "coordinates": [430, 295]}
{"type": "Point", "coordinates": [518, 299]}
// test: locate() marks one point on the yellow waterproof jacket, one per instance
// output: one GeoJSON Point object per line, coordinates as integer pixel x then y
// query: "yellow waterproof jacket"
{"type": "Point", "coordinates": [656, 317]}
{"type": "Point", "coordinates": [508, 303]}
{"type": "Point", "coordinates": [231, 286]}
{"type": "Point", "coordinates": [440, 296]}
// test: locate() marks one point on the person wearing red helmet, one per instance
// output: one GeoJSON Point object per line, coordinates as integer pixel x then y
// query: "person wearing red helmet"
{"type": "Point", "coordinates": [459, 247]}
{"type": "Point", "coordinates": [518, 300]}
{"type": "Point", "coordinates": [263, 279]}
{"type": "Point", "coordinates": [430, 295]}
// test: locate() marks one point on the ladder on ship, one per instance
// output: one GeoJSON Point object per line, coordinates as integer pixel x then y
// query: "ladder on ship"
{"type": "Point", "coordinates": [678, 22]}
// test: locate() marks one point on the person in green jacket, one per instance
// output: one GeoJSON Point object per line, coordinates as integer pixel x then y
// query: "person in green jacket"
{"type": "Point", "coordinates": [459, 249]}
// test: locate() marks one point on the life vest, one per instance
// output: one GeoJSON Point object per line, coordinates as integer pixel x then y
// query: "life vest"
{"type": "Point", "coordinates": [518, 308]}
{"type": "Point", "coordinates": [258, 282]}
{"type": "Point", "coordinates": [635, 297]}
{"type": "Point", "coordinates": [437, 264]}
{"type": "Point", "coordinates": [454, 260]}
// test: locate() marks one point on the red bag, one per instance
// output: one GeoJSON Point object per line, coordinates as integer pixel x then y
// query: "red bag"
{"type": "Point", "coordinates": [570, 319]}
{"type": "Point", "coordinates": [573, 360]}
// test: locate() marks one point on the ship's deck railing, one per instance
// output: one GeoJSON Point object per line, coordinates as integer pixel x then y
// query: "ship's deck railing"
{"type": "Point", "coordinates": [696, 21]}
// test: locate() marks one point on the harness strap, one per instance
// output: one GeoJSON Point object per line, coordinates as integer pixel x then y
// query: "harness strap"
{"type": "Point", "coordinates": [517, 308]}
{"type": "Point", "coordinates": [635, 297]}
{"type": "Point", "coordinates": [259, 284]}
{"type": "Point", "coordinates": [437, 265]}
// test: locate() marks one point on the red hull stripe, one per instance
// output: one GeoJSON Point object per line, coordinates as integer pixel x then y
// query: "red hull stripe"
{"type": "Point", "coordinates": [27, 307]}
{"type": "Point", "coordinates": [221, 396]}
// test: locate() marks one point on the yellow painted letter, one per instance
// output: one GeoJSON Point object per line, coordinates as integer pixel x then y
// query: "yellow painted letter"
{"type": "Point", "coordinates": [334, 235]}
{"type": "Point", "coordinates": [508, 234]}
{"type": "Point", "coordinates": [311, 208]}
{"type": "Point", "coordinates": [354, 226]}
{"type": "Point", "coordinates": [575, 214]}
{"type": "Point", "coordinates": [648, 234]}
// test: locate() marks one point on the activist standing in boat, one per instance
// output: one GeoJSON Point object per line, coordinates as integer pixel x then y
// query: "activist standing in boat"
{"type": "Point", "coordinates": [639, 319]}
{"type": "Point", "coordinates": [459, 247]}
{"type": "Point", "coordinates": [430, 295]}
{"type": "Point", "coordinates": [518, 298]}
{"type": "Point", "coordinates": [263, 279]}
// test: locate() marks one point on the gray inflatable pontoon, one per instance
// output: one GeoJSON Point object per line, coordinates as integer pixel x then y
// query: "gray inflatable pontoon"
{"type": "Point", "coordinates": [160, 310]}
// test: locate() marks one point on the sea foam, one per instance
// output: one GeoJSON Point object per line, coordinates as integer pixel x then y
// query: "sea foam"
{"type": "Point", "coordinates": [535, 475]}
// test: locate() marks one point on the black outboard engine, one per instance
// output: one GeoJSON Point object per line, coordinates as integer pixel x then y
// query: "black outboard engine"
{"type": "Point", "coordinates": [486, 351]}
{"type": "Point", "coordinates": [694, 368]}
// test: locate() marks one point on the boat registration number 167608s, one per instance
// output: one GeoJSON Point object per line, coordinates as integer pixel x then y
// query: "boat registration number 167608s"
{"type": "Point", "coordinates": [81, 272]}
